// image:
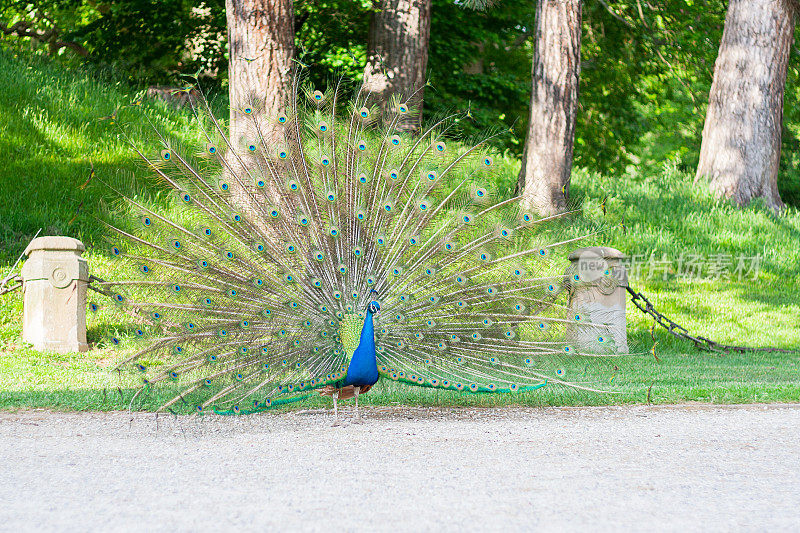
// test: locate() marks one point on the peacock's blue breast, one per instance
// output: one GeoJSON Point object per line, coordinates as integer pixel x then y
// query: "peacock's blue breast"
{"type": "Point", "coordinates": [363, 367]}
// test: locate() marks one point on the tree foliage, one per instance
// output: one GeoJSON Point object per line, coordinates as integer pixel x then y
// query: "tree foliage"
{"type": "Point", "coordinates": [146, 41]}
{"type": "Point", "coordinates": [646, 66]}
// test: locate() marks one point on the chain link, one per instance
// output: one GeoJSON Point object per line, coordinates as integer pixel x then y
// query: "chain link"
{"type": "Point", "coordinates": [101, 290]}
{"type": "Point", "coordinates": [643, 304]}
{"type": "Point", "coordinates": [9, 284]}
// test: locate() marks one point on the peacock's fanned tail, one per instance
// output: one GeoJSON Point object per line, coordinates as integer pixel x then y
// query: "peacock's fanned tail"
{"type": "Point", "coordinates": [246, 287]}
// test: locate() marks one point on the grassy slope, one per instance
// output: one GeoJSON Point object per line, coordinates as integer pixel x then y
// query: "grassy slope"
{"type": "Point", "coordinates": [49, 127]}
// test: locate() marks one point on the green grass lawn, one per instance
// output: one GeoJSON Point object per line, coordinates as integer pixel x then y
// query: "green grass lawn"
{"type": "Point", "coordinates": [50, 130]}
{"type": "Point", "coordinates": [29, 379]}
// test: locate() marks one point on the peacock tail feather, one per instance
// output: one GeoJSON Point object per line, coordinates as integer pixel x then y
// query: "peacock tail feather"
{"type": "Point", "coordinates": [250, 289]}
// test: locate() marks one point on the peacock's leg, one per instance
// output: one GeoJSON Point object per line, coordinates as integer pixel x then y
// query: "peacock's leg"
{"type": "Point", "coordinates": [357, 420]}
{"type": "Point", "coordinates": [335, 397]}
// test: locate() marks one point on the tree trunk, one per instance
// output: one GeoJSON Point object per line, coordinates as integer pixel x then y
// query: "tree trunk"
{"type": "Point", "coordinates": [742, 133]}
{"type": "Point", "coordinates": [260, 48]}
{"type": "Point", "coordinates": [397, 56]}
{"type": "Point", "coordinates": [547, 158]}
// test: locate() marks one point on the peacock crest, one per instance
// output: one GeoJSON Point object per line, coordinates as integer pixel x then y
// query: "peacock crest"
{"type": "Point", "coordinates": [253, 287]}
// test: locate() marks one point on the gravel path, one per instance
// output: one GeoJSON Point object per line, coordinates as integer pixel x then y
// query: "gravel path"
{"type": "Point", "coordinates": [689, 467]}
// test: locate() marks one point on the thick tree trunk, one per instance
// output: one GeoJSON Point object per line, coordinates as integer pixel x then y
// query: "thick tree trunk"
{"type": "Point", "coordinates": [397, 55]}
{"type": "Point", "coordinates": [742, 133]}
{"type": "Point", "coordinates": [260, 47]}
{"type": "Point", "coordinates": [260, 50]}
{"type": "Point", "coordinates": [547, 158]}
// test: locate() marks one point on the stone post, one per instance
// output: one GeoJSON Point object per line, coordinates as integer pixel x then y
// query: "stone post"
{"type": "Point", "coordinates": [597, 280]}
{"type": "Point", "coordinates": [55, 278]}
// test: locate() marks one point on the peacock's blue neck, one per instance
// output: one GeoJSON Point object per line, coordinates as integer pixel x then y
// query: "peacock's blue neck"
{"type": "Point", "coordinates": [363, 368]}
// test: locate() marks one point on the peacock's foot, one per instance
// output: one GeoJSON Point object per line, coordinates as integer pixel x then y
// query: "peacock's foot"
{"type": "Point", "coordinates": [358, 420]}
{"type": "Point", "coordinates": [337, 423]}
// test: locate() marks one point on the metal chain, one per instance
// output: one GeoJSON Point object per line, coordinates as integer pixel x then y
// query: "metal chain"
{"type": "Point", "coordinates": [675, 329]}
{"type": "Point", "coordinates": [10, 283]}
{"type": "Point", "coordinates": [102, 291]}
{"type": "Point", "coordinates": [637, 298]}
{"type": "Point", "coordinates": [16, 279]}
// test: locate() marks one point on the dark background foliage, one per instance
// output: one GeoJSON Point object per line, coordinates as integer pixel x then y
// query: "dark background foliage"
{"type": "Point", "coordinates": [646, 67]}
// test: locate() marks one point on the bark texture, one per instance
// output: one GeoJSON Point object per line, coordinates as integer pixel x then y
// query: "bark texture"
{"type": "Point", "coordinates": [547, 157]}
{"type": "Point", "coordinates": [397, 55]}
{"type": "Point", "coordinates": [742, 132]}
{"type": "Point", "coordinates": [261, 47]}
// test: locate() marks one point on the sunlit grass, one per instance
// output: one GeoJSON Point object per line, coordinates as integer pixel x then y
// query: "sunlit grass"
{"type": "Point", "coordinates": [29, 379]}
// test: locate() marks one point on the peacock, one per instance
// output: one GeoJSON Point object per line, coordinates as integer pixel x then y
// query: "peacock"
{"type": "Point", "coordinates": [322, 248]}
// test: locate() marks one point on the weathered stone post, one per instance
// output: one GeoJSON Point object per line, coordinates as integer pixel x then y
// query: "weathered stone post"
{"type": "Point", "coordinates": [597, 280]}
{"type": "Point", "coordinates": [55, 278]}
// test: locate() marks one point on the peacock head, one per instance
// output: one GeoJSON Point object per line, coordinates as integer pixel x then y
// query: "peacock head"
{"type": "Point", "coordinates": [374, 307]}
